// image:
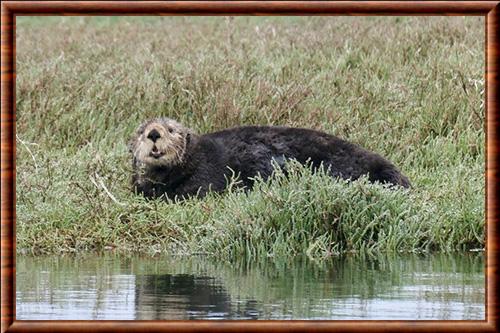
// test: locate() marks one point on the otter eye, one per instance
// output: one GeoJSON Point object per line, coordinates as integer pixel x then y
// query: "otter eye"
{"type": "Point", "coordinates": [171, 130]}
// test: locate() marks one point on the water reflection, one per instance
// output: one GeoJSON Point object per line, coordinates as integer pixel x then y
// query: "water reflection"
{"type": "Point", "coordinates": [114, 287]}
{"type": "Point", "coordinates": [185, 296]}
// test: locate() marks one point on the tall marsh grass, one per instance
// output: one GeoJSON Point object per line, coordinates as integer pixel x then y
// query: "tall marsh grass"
{"type": "Point", "coordinates": [409, 88]}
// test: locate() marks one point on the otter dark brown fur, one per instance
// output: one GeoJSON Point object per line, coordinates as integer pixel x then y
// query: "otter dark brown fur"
{"type": "Point", "coordinates": [170, 159]}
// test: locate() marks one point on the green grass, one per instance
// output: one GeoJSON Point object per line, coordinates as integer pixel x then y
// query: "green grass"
{"type": "Point", "coordinates": [409, 88]}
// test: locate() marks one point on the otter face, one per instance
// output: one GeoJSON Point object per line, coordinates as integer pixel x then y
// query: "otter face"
{"type": "Point", "coordinates": [159, 142]}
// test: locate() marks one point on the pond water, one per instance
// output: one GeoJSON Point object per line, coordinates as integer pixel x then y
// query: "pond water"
{"type": "Point", "coordinates": [168, 288]}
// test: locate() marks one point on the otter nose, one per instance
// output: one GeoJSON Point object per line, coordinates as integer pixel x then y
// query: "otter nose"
{"type": "Point", "coordinates": [153, 135]}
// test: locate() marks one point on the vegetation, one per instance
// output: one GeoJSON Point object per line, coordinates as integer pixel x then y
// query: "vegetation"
{"type": "Point", "coordinates": [409, 88]}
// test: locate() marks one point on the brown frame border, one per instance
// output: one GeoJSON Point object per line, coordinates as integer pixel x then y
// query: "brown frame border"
{"type": "Point", "coordinates": [10, 9]}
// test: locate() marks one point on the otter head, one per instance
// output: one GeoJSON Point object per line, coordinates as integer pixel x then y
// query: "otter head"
{"type": "Point", "coordinates": [160, 142]}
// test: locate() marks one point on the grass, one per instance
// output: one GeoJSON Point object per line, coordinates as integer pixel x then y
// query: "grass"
{"type": "Point", "coordinates": [409, 88]}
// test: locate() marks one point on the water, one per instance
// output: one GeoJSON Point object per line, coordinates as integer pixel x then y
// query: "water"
{"type": "Point", "coordinates": [437, 287]}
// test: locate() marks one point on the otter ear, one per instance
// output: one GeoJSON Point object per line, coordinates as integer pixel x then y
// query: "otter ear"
{"type": "Point", "coordinates": [188, 138]}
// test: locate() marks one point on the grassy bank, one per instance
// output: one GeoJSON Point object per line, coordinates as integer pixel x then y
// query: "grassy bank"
{"type": "Point", "coordinates": [408, 88]}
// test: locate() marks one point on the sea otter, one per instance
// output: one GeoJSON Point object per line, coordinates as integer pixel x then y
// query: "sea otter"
{"type": "Point", "coordinates": [170, 160]}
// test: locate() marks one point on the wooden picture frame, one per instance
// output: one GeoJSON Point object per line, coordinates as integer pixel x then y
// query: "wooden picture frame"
{"type": "Point", "coordinates": [11, 9]}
